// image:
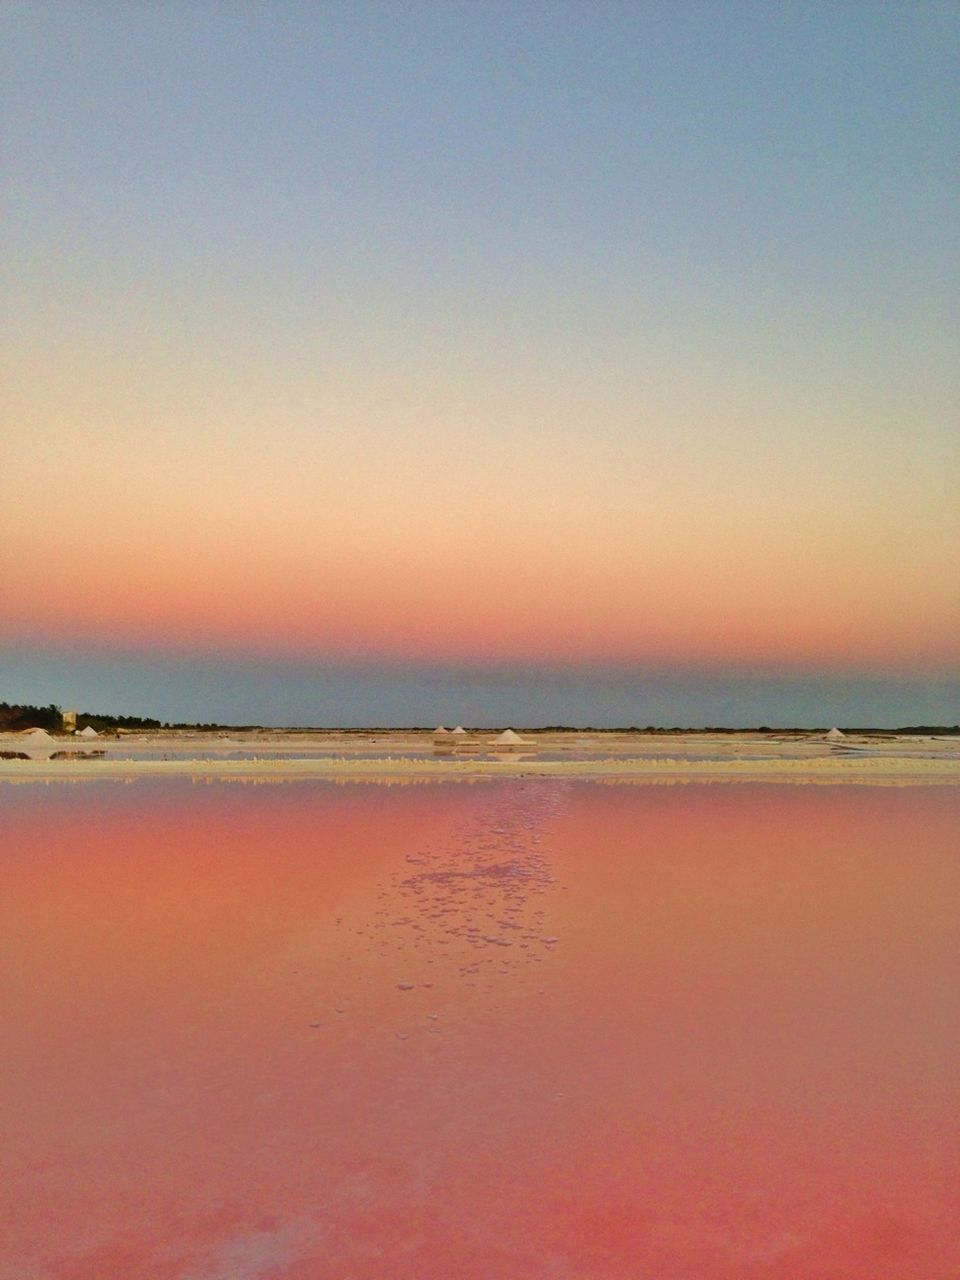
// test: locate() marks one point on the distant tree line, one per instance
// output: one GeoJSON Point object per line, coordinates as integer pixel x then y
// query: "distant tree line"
{"type": "Point", "coordinates": [209, 727]}
{"type": "Point", "coordinates": [927, 730]}
{"type": "Point", "coordinates": [17, 716]}
{"type": "Point", "coordinates": [662, 729]}
{"type": "Point", "coordinates": [98, 721]}
{"type": "Point", "coordinates": [14, 717]}
{"type": "Point", "coordinates": [924, 729]}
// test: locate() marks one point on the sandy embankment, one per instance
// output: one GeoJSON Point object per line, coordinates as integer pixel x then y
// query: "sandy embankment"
{"type": "Point", "coordinates": [369, 756]}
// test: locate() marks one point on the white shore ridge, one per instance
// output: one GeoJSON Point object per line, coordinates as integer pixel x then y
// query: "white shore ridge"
{"type": "Point", "coordinates": [369, 755]}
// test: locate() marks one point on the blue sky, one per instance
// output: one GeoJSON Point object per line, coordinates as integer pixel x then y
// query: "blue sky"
{"type": "Point", "coordinates": [198, 688]}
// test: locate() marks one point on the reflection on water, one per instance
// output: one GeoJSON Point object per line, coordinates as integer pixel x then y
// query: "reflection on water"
{"type": "Point", "coordinates": [518, 1029]}
{"type": "Point", "coordinates": [478, 897]}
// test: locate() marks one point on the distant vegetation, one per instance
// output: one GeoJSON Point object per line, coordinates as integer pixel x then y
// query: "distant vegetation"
{"type": "Point", "coordinates": [210, 727]}
{"type": "Point", "coordinates": [24, 716]}
{"type": "Point", "coordinates": [98, 722]}
{"type": "Point", "coordinates": [14, 717]}
{"type": "Point", "coordinates": [927, 730]}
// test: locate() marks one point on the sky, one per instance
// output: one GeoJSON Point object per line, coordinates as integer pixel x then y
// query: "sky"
{"type": "Point", "coordinates": [529, 362]}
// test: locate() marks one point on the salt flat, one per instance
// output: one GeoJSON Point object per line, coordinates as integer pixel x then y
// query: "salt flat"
{"type": "Point", "coordinates": [416, 755]}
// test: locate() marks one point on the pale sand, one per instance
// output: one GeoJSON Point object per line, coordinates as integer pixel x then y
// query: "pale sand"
{"type": "Point", "coordinates": [747, 757]}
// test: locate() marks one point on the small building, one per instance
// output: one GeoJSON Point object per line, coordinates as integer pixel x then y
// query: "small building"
{"type": "Point", "coordinates": [69, 721]}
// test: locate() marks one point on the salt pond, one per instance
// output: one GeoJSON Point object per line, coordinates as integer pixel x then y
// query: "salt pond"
{"type": "Point", "coordinates": [530, 1028]}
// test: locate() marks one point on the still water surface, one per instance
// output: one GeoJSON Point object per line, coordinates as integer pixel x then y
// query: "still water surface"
{"type": "Point", "coordinates": [523, 1029]}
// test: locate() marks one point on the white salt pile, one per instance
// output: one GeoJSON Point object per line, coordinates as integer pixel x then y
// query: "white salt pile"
{"type": "Point", "coordinates": [508, 738]}
{"type": "Point", "coordinates": [39, 737]}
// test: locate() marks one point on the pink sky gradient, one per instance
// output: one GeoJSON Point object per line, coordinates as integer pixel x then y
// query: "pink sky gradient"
{"type": "Point", "coordinates": [697, 590]}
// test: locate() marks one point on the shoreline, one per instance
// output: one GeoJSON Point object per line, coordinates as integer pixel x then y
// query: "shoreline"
{"type": "Point", "coordinates": [882, 770]}
{"type": "Point", "coordinates": [417, 756]}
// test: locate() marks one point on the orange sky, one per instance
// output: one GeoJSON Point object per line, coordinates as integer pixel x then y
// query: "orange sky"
{"type": "Point", "coordinates": [705, 586]}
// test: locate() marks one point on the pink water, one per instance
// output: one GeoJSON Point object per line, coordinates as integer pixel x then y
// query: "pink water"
{"type": "Point", "coordinates": [537, 1029]}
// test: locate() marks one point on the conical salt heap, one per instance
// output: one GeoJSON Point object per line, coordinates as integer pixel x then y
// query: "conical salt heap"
{"type": "Point", "coordinates": [510, 739]}
{"type": "Point", "coordinates": [38, 737]}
